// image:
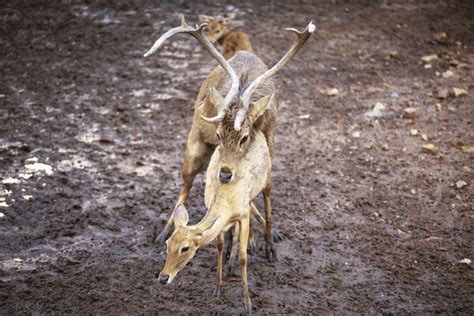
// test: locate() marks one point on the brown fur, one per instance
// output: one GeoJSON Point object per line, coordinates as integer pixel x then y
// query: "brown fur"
{"type": "Point", "coordinates": [203, 139]}
{"type": "Point", "coordinates": [220, 31]}
{"type": "Point", "coordinates": [227, 204]}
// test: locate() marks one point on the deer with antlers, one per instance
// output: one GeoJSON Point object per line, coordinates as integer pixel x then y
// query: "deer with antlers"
{"type": "Point", "coordinates": [230, 121]}
{"type": "Point", "coordinates": [220, 31]}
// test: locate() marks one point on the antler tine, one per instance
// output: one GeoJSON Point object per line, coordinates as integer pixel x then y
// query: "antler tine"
{"type": "Point", "coordinates": [301, 38]}
{"type": "Point", "coordinates": [198, 34]}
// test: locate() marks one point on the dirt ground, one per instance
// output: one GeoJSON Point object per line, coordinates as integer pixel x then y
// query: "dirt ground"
{"type": "Point", "coordinates": [92, 137]}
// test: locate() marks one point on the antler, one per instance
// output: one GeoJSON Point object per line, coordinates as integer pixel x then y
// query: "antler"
{"type": "Point", "coordinates": [301, 38]}
{"type": "Point", "coordinates": [198, 34]}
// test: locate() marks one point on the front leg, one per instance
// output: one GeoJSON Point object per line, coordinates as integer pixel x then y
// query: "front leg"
{"type": "Point", "coordinates": [233, 251]}
{"type": "Point", "coordinates": [196, 159]}
{"type": "Point", "coordinates": [244, 238]}
{"type": "Point", "coordinates": [220, 248]}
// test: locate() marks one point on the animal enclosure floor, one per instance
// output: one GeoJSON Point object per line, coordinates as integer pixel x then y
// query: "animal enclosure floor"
{"type": "Point", "coordinates": [92, 137]}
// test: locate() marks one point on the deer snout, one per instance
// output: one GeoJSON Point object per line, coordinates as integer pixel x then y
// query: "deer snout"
{"type": "Point", "coordinates": [225, 175]}
{"type": "Point", "coordinates": [163, 278]}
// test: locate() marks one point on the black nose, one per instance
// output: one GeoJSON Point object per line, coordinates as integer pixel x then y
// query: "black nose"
{"type": "Point", "coordinates": [225, 175]}
{"type": "Point", "coordinates": [164, 279]}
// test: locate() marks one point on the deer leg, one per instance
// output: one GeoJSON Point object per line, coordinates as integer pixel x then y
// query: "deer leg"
{"type": "Point", "coordinates": [244, 236]}
{"type": "Point", "coordinates": [252, 245]}
{"type": "Point", "coordinates": [270, 250]}
{"type": "Point", "coordinates": [196, 159]}
{"type": "Point", "coordinates": [220, 248]}
{"type": "Point", "coordinates": [234, 249]}
{"type": "Point", "coordinates": [277, 237]}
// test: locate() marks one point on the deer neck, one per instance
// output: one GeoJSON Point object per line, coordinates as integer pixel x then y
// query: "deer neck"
{"type": "Point", "coordinates": [219, 218]}
{"type": "Point", "coordinates": [221, 39]}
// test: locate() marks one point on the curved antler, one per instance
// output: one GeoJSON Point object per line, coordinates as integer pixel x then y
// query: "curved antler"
{"type": "Point", "coordinates": [301, 38]}
{"type": "Point", "coordinates": [198, 34]}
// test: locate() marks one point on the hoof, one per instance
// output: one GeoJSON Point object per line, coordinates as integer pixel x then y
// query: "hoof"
{"type": "Point", "coordinates": [217, 292]}
{"type": "Point", "coordinates": [277, 237]}
{"type": "Point", "coordinates": [247, 310]}
{"type": "Point", "coordinates": [252, 247]}
{"type": "Point", "coordinates": [270, 251]}
{"type": "Point", "coordinates": [162, 237]}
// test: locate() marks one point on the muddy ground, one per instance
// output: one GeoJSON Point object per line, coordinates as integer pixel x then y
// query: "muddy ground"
{"type": "Point", "coordinates": [371, 224]}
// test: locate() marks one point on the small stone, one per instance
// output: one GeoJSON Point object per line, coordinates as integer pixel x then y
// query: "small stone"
{"type": "Point", "coordinates": [429, 58]}
{"type": "Point", "coordinates": [442, 93]}
{"type": "Point", "coordinates": [467, 149]}
{"type": "Point", "coordinates": [413, 132]}
{"type": "Point", "coordinates": [385, 147]}
{"type": "Point", "coordinates": [376, 111]}
{"type": "Point", "coordinates": [459, 92]}
{"type": "Point", "coordinates": [453, 62]}
{"type": "Point", "coordinates": [447, 74]}
{"type": "Point", "coordinates": [18, 260]}
{"type": "Point", "coordinates": [379, 106]}
{"type": "Point", "coordinates": [417, 85]}
{"type": "Point", "coordinates": [2, 215]}
{"type": "Point", "coordinates": [4, 204]}
{"type": "Point", "coordinates": [441, 36]}
{"type": "Point", "coordinates": [439, 107]}
{"type": "Point", "coordinates": [27, 197]}
{"type": "Point", "coordinates": [368, 146]}
{"type": "Point", "coordinates": [428, 66]}
{"type": "Point", "coordinates": [428, 149]}
{"type": "Point", "coordinates": [424, 137]}
{"type": "Point", "coordinates": [402, 234]}
{"type": "Point", "coordinates": [10, 180]}
{"type": "Point", "coordinates": [467, 169]}
{"type": "Point", "coordinates": [461, 184]}
{"type": "Point", "coordinates": [465, 260]}
{"type": "Point", "coordinates": [409, 113]}
{"type": "Point", "coordinates": [304, 117]}
{"type": "Point", "coordinates": [356, 134]}
{"type": "Point", "coordinates": [331, 92]}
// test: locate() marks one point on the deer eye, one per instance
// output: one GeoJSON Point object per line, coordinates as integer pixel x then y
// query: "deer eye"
{"type": "Point", "coordinates": [244, 140]}
{"type": "Point", "coordinates": [184, 249]}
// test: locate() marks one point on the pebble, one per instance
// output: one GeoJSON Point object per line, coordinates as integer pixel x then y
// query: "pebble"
{"type": "Point", "coordinates": [429, 58]}
{"type": "Point", "coordinates": [442, 93]}
{"type": "Point", "coordinates": [413, 132]}
{"type": "Point", "coordinates": [459, 92]}
{"type": "Point", "coordinates": [356, 134]}
{"type": "Point", "coordinates": [2, 215]}
{"type": "Point", "coordinates": [447, 74]}
{"type": "Point", "coordinates": [428, 149]}
{"type": "Point", "coordinates": [467, 149]}
{"type": "Point", "coordinates": [461, 184]}
{"type": "Point", "coordinates": [331, 92]}
{"type": "Point", "coordinates": [409, 113]}
{"type": "Point", "coordinates": [10, 180]}
{"type": "Point", "coordinates": [385, 146]}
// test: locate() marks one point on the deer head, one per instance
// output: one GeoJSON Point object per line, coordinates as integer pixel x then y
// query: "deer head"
{"type": "Point", "coordinates": [237, 115]}
{"type": "Point", "coordinates": [218, 25]}
{"type": "Point", "coordinates": [185, 241]}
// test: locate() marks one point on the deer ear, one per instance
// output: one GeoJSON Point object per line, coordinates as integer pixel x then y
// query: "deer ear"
{"type": "Point", "coordinates": [204, 18]}
{"type": "Point", "coordinates": [215, 97]}
{"type": "Point", "coordinates": [259, 107]}
{"type": "Point", "coordinates": [181, 216]}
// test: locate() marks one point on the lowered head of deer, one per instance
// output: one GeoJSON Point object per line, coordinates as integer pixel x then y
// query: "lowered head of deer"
{"type": "Point", "coordinates": [183, 244]}
{"type": "Point", "coordinates": [219, 26]}
{"type": "Point", "coordinates": [233, 144]}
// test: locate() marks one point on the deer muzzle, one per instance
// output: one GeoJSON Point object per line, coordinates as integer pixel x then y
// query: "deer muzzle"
{"type": "Point", "coordinates": [225, 175]}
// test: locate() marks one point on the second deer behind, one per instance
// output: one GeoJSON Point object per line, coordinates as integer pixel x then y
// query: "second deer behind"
{"type": "Point", "coordinates": [221, 31]}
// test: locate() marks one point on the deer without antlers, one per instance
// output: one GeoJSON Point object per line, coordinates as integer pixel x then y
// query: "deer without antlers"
{"type": "Point", "coordinates": [246, 83]}
{"type": "Point", "coordinates": [228, 204]}
{"type": "Point", "coordinates": [220, 32]}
